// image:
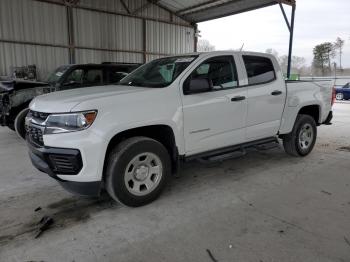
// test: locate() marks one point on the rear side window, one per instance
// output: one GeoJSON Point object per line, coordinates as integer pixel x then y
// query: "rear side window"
{"type": "Point", "coordinates": [93, 77]}
{"type": "Point", "coordinates": [259, 69]}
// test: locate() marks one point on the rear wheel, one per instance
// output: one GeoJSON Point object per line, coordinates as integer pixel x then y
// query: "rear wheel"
{"type": "Point", "coordinates": [137, 171]}
{"type": "Point", "coordinates": [20, 123]}
{"type": "Point", "coordinates": [339, 96]}
{"type": "Point", "coordinates": [301, 140]}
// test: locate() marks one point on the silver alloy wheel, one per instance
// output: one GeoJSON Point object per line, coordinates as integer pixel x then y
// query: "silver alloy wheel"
{"type": "Point", "coordinates": [339, 96]}
{"type": "Point", "coordinates": [306, 136]}
{"type": "Point", "coordinates": [143, 174]}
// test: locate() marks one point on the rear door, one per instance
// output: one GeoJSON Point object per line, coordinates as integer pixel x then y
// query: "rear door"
{"type": "Point", "coordinates": [266, 96]}
{"type": "Point", "coordinates": [215, 118]}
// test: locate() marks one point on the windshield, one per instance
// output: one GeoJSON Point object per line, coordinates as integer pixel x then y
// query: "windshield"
{"type": "Point", "coordinates": [56, 75]}
{"type": "Point", "coordinates": [158, 73]}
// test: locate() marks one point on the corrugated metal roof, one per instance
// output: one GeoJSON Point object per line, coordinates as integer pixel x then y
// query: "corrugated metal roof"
{"type": "Point", "coordinates": [204, 10]}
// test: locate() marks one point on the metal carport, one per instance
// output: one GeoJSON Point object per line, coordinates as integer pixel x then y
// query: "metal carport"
{"type": "Point", "coordinates": [50, 33]}
{"type": "Point", "coordinates": [196, 11]}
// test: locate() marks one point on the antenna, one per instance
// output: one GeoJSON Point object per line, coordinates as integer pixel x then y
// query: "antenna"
{"type": "Point", "coordinates": [241, 47]}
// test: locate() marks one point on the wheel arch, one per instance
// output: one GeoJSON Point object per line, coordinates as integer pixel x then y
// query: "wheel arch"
{"type": "Point", "coordinates": [312, 110]}
{"type": "Point", "coordinates": [159, 132]}
{"type": "Point", "coordinates": [291, 113]}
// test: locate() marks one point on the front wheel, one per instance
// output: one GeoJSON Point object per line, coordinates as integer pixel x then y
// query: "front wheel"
{"type": "Point", "coordinates": [301, 140]}
{"type": "Point", "coordinates": [137, 171]}
{"type": "Point", "coordinates": [19, 123]}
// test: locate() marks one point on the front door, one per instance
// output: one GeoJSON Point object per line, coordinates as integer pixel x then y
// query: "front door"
{"type": "Point", "coordinates": [216, 117]}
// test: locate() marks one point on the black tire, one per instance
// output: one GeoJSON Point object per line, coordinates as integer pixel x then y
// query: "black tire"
{"type": "Point", "coordinates": [121, 157]}
{"type": "Point", "coordinates": [19, 123]}
{"type": "Point", "coordinates": [291, 141]}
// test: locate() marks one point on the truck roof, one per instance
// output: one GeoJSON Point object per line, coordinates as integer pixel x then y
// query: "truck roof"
{"type": "Point", "coordinates": [226, 52]}
{"type": "Point", "coordinates": [104, 64]}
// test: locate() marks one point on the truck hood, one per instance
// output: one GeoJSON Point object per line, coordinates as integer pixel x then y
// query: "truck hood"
{"type": "Point", "coordinates": [65, 101]}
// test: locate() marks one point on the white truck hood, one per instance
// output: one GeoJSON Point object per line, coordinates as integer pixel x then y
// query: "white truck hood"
{"type": "Point", "coordinates": [65, 101]}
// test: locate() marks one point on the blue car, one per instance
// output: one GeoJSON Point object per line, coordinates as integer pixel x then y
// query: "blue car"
{"type": "Point", "coordinates": [342, 92]}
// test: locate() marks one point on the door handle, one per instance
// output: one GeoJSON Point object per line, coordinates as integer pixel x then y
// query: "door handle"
{"type": "Point", "coordinates": [237, 98]}
{"type": "Point", "coordinates": [276, 93]}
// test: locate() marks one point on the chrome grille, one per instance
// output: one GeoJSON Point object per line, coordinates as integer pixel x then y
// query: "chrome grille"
{"type": "Point", "coordinates": [35, 126]}
{"type": "Point", "coordinates": [35, 134]}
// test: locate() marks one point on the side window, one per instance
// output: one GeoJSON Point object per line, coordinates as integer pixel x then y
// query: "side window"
{"type": "Point", "coordinates": [93, 77]}
{"type": "Point", "coordinates": [259, 69]}
{"type": "Point", "coordinates": [74, 78]}
{"type": "Point", "coordinates": [219, 71]}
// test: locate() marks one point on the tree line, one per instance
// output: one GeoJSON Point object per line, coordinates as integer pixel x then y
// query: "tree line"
{"type": "Point", "coordinates": [323, 58]}
{"type": "Point", "coordinates": [324, 53]}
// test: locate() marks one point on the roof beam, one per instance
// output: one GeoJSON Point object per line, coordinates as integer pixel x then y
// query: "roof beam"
{"type": "Point", "coordinates": [285, 16]}
{"type": "Point", "coordinates": [287, 2]}
{"type": "Point", "coordinates": [224, 5]}
{"type": "Point", "coordinates": [145, 6]}
{"type": "Point", "coordinates": [125, 6]}
{"type": "Point", "coordinates": [190, 8]}
{"type": "Point", "coordinates": [172, 13]}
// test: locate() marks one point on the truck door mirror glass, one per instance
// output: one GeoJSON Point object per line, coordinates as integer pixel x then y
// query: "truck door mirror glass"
{"type": "Point", "coordinates": [199, 85]}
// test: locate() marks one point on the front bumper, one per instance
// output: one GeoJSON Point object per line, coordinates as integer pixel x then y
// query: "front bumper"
{"type": "Point", "coordinates": [62, 161]}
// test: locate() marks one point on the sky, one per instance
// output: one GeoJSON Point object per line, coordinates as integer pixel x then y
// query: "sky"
{"type": "Point", "coordinates": [316, 21]}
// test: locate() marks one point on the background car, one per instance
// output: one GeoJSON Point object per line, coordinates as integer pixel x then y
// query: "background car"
{"type": "Point", "coordinates": [15, 95]}
{"type": "Point", "coordinates": [342, 92]}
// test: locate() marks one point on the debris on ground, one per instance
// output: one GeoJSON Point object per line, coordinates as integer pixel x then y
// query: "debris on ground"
{"type": "Point", "coordinates": [326, 192]}
{"type": "Point", "coordinates": [45, 223]}
{"type": "Point", "coordinates": [344, 148]}
{"type": "Point", "coordinates": [37, 209]}
{"type": "Point", "coordinates": [211, 256]}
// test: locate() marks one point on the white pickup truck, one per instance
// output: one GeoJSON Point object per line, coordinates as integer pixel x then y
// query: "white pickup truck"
{"type": "Point", "coordinates": [129, 138]}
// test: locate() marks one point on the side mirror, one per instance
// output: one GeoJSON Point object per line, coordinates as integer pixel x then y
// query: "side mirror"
{"type": "Point", "coordinates": [198, 85]}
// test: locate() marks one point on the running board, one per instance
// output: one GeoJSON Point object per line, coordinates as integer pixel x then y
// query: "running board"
{"type": "Point", "coordinates": [233, 151]}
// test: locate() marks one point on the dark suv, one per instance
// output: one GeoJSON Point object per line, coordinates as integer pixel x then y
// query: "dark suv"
{"type": "Point", "coordinates": [15, 95]}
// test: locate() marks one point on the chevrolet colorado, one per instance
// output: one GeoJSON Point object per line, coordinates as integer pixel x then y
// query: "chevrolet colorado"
{"type": "Point", "coordinates": [129, 138]}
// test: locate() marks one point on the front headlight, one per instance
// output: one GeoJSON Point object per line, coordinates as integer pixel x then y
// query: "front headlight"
{"type": "Point", "coordinates": [69, 122]}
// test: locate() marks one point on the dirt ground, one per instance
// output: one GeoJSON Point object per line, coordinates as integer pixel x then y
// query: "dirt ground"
{"type": "Point", "coordinates": [263, 207]}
